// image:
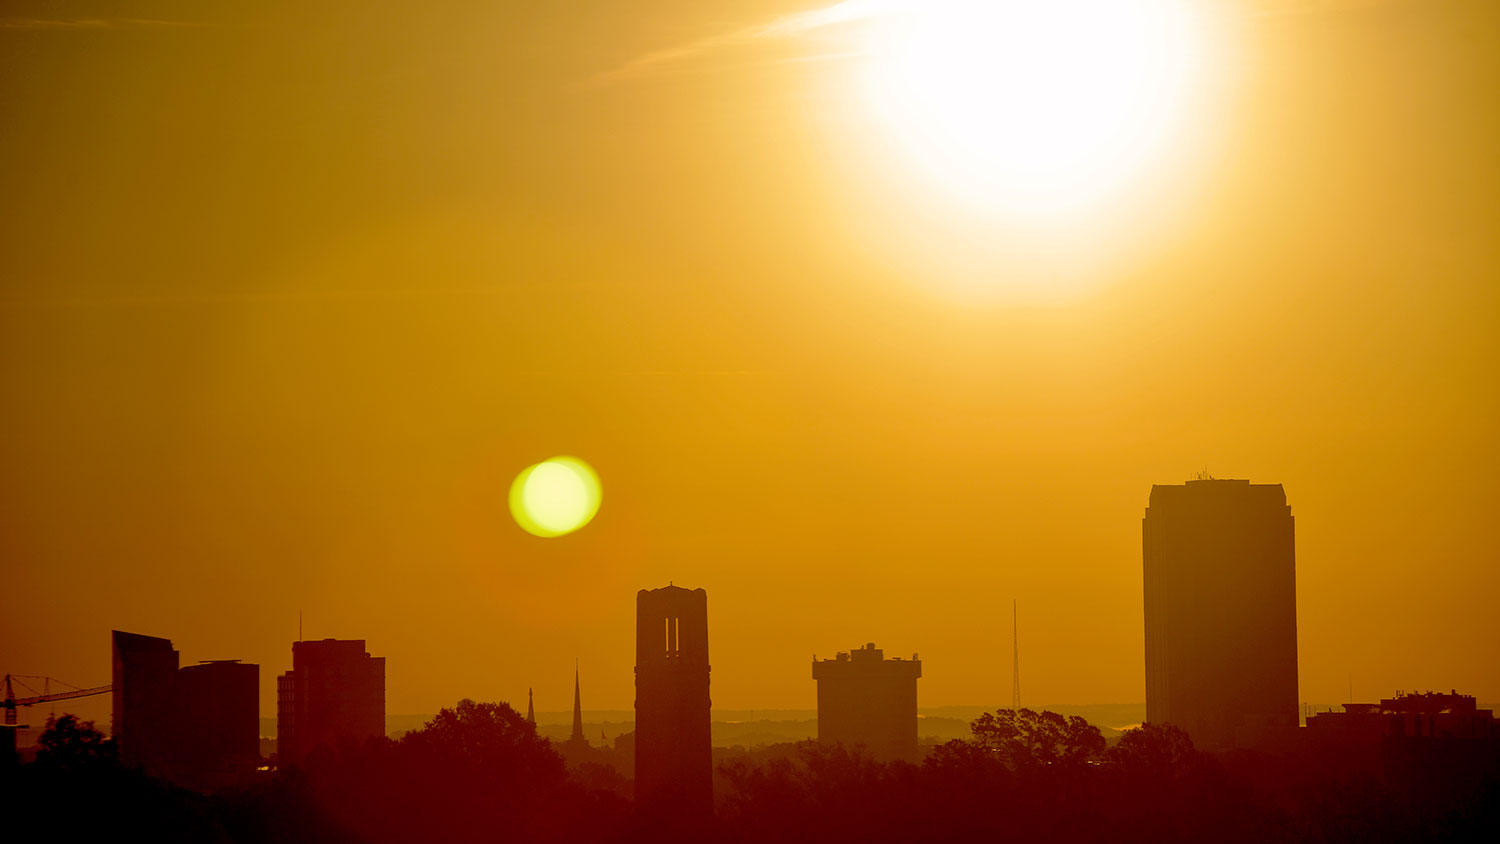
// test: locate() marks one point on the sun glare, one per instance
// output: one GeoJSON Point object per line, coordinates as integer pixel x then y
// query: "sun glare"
{"type": "Point", "coordinates": [1037, 108]}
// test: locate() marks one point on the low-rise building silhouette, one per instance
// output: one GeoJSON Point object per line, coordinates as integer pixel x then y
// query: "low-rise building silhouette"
{"type": "Point", "coordinates": [335, 691]}
{"type": "Point", "coordinates": [673, 742]}
{"type": "Point", "coordinates": [866, 700]}
{"type": "Point", "coordinates": [1428, 745]}
{"type": "Point", "coordinates": [1427, 714]}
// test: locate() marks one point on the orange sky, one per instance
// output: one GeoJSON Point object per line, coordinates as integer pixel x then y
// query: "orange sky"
{"type": "Point", "coordinates": [289, 297]}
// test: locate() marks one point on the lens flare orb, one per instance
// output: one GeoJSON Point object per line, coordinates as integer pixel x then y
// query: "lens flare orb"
{"type": "Point", "coordinates": [555, 497]}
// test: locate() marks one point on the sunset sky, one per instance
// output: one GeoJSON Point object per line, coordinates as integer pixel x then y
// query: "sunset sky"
{"type": "Point", "coordinates": [290, 292]}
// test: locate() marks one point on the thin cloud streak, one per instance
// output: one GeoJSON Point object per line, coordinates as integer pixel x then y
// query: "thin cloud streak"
{"type": "Point", "coordinates": [785, 27]}
{"type": "Point", "coordinates": [853, 11]}
{"type": "Point", "coordinates": [95, 23]}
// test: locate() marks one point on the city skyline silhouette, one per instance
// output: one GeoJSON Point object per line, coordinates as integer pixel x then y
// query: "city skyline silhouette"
{"type": "Point", "coordinates": [1218, 565]}
{"type": "Point", "coordinates": [1195, 552]}
{"type": "Point", "coordinates": [1218, 572]}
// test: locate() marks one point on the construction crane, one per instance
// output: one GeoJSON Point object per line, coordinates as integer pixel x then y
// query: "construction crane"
{"type": "Point", "coordinates": [46, 695]}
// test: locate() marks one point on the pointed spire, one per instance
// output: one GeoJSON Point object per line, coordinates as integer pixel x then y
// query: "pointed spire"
{"type": "Point", "coordinates": [530, 709]}
{"type": "Point", "coordinates": [577, 708]}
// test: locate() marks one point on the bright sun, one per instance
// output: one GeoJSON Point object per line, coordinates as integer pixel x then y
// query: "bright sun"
{"type": "Point", "coordinates": [1036, 107]}
{"type": "Point", "coordinates": [555, 497]}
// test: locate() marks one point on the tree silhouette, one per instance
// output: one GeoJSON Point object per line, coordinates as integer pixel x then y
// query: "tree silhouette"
{"type": "Point", "coordinates": [489, 737]}
{"type": "Point", "coordinates": [1155, 747]}
{"type": "Point", "coordinates": [68, 743]}
{"type": "Point", "coordinates": [1025, 738]}
{"type": "Point", "coordinates": [477, 771]}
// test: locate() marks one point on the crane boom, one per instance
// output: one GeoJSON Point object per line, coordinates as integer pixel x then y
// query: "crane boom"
{"type": "Point", "coordinates": [28, 701]}
{"type": "Point", "coordinates": [11, 702]}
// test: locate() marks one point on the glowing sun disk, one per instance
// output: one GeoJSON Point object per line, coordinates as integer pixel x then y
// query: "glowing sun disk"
{"type": "Point", "coordinates": [555, 497]}
{"type": "Point", "coordinates": [1039, 106]}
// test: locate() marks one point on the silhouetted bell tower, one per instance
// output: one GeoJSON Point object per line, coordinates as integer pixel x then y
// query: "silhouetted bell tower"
{"type": "Point", "coordinates": [673, 748]}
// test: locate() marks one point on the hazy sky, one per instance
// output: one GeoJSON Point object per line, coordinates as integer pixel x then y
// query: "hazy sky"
{"type": "Point", "coordinates": [289, 292]}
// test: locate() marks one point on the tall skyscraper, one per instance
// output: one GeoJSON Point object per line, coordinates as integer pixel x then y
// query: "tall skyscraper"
{"type": "Point", "coordinates": [334, 691]}
{"type": "Point", "coordinates": [673, 747]}
{"type": "Point", "coordinates": [869, 701]}
{"type": "Point", "coordinates": [1221, 610]}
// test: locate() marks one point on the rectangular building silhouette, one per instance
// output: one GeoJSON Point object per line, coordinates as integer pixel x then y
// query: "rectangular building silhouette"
{"type": "Point", "coordinates": [143, 670]}
{"type": "Point", "coordinates": [1417, 715]}
{"type": "Point", "coordinates": [866, 700]}
{"type": "Point", "coordinates": [219, 717]}
{"type": "Point", "coordinates": [334, 692]}
{"type": "Point", "coordinates": [673, 744]}
{"type": "Point", "coordinates": [197, 726]}
{"type": "Point", "coordinates": [1221, 611]}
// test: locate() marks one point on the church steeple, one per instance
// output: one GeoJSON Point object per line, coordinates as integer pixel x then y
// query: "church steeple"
{"type": "Point", "coordinates": [577, 710]}
{"type": "Point", "coordinates": [530, 709]}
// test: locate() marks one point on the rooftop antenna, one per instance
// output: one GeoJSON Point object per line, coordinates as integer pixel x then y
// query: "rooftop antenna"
{"type": "Point", "coordinates": [1015, 640]}
{"type": "Point", "coordinates": [299, 625]}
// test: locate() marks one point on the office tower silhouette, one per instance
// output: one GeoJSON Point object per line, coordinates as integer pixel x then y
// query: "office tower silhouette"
{"type": "Point", "coordinates": [198, 725]}
{"type": "Point", "coordinates": [143, 669]}
{"type": "Point", "coordinates": [673, 748]}
{"type": "Point", "coordinates": [867, 700]}
{"type": "Point", "coordinates": [218, 715]}
{"type": "Point", "coordinates": [335, 691]}
{"type": "Point", "coordinates": [1221, 610]}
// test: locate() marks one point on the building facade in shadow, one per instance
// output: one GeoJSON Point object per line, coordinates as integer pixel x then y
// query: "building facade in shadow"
{"type": "Point", "coordinates": [197, 725]}
{"type": "Point", "coordinates": [219, 719]}
{"type": "Point", "coordinates": [335, 691]}
{"type": "Point", "coordinates": [673, 745]}
{"type": "Point", "coordinates": [1221, 611]}
{"type": "Point", "coordinates": [1414, 714]}
{"type": "Point", "coordinates": [143, 671]}
{"type": "Point", "coordinates": [869, 701]}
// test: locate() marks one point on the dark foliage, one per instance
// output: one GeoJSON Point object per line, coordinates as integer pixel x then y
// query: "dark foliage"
{"type": "Point", "coordinates": [478, 772]}
{"type": "Point", "coordinates": [1038, 777]}
{"type": "Point", "coordinates": [77, 791]}
{"type": "Point", "coordinates": [1024, 739]}
{"type": "Point", "coordinates": [475, 772]}
{"type": "Point", "coordinates": [1157, 748]}
{"type": "Point", "coordinates": [70, 744]}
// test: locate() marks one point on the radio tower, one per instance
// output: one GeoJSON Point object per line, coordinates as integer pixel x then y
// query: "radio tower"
{"type": "Point", "coordinates": [1015, 677]}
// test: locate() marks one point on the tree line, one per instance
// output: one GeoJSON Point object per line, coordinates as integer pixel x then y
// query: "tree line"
{"type": "Point", "coordinates": [479, 772]}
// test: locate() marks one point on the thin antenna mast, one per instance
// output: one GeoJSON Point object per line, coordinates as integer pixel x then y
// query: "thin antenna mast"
{"type": "Point", "coordinates": [299, 625]}
{"type": "Point", "coordinates": [1015, 639]}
